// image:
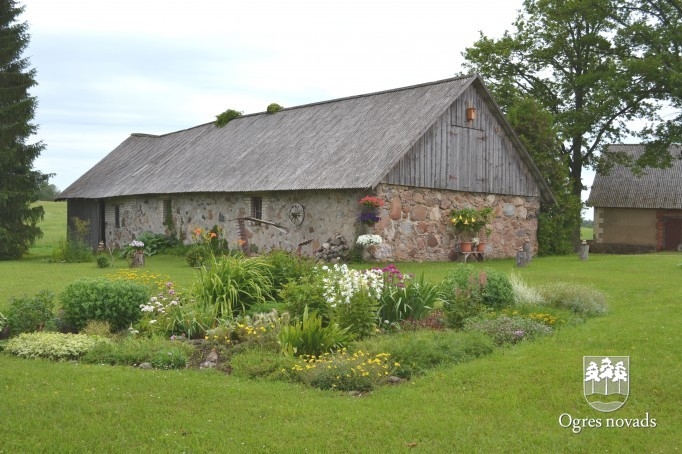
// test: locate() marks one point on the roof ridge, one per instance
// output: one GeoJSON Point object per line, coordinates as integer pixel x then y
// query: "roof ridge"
{"type": "Point", "coordinates": [318, 103]}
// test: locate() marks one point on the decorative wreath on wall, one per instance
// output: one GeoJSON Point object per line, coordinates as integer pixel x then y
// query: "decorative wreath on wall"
{"type": "Point", "coordinates": [296, 214]}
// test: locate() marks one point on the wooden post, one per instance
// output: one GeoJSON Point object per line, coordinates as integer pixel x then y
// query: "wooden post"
{"type": "Point", "coordinates": [527, 250]}
{"type": "Point", "coordinates": [584, 250]}
{"type": "Point", "coordinates": [520, 258]}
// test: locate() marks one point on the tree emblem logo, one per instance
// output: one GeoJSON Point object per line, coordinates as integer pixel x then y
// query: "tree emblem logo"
{"type": "Point", "coordinates": [606, 383]}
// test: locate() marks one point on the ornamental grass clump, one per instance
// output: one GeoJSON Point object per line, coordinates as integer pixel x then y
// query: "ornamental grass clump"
{"type": "Point", "coordinates": [232, 284]}
{"type": "Point", "coordinates": [524, 295]}
{"type": "Point", "coordinates": [579, 299]}
{"type": "Point", "coordinates": [343, 371]}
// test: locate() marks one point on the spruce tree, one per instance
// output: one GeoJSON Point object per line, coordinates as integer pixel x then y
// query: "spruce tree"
{"type": "Point", "coordinates": [19, 182]}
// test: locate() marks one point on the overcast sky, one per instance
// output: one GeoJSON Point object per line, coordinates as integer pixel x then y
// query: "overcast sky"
{"type": "Point", "coordinates": [106, 69]}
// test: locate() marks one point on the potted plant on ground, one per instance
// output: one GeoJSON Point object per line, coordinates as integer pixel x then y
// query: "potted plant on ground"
{"type": "Point", "coordinates": [468, 222]}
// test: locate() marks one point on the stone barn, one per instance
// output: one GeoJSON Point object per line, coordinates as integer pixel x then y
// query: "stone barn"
{"type": "Point", "coordinates": [293, 178]}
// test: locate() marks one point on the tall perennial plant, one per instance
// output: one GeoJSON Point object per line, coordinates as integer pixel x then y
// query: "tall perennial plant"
{"type": "Point", "coordinates": [354, 298]}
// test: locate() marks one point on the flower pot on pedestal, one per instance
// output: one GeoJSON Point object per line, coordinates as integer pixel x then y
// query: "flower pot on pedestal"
{"type": "Point", "coordinates": [480, 247]}
{"type": "Point", "coordinates": [465, 246]}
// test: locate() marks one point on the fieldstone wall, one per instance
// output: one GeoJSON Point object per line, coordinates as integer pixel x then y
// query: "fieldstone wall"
{"type": "Point", "coordinates": [414, 222]}
{"type": "Point", "coordinates": [327, 216]}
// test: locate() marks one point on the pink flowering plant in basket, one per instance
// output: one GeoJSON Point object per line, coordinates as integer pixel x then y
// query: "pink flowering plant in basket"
{"type": "Point", "coordinates": [371, 202]}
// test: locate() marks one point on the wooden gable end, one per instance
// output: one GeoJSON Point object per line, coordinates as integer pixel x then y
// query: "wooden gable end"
{"type": "Point", "coordinates": [466, 155]}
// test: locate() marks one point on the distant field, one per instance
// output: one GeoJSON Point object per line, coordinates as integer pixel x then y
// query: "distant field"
{"type": "Point", "coordinates": [586, 233]}
{"type": "Point", "coordinates": [53, 227]}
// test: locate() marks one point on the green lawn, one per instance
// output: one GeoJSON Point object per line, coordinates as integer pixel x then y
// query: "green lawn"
{"type": "Point", "coordinates": [510, 401]}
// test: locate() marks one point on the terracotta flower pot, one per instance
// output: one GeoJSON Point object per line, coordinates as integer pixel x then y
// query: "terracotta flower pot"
{"type": "Point", "coordinates": [480, 247]}
{"type": "Point", "coordinates": [465, 246]}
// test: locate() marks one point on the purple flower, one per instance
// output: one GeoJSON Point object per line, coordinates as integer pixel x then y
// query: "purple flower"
{"type": "Point", "coordinates": [368, 218]}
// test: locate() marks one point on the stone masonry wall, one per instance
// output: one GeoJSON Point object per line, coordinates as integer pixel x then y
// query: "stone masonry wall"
{"type": "Point", "coordinates": [414, 222]}
{"type": "Point", "coordinates": [328, 214]}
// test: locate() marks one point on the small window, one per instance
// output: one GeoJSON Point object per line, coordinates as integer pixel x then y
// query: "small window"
{"type": "Point", "coordinates": [257, 207]}
{"type": "Point", "coordinates": [167, 213]}
{"type": "Point", "coordinates": [117, 216]}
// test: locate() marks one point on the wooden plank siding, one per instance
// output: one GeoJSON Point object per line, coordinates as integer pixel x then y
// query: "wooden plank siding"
{"type": "Point", "coordinates": [86, 210]}
{"type": "Point", "coordinates": [461, 155]}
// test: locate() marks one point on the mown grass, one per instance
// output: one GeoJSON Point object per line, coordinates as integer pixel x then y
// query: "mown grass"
{"type": "Point", "coordinates": [509, 401]}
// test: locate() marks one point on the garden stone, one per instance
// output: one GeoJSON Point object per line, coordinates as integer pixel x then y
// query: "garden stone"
{"type": "Point", "coordinates": [393, 380]}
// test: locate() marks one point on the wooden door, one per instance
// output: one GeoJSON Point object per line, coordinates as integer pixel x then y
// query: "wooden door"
{"type": "Point", "coordinates": [672, 234]}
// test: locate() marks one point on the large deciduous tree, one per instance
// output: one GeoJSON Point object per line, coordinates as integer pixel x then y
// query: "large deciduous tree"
{"type": "Point", "coordinates": [604, 69]}
{"type": "Point", "coordinates": [19, 182]}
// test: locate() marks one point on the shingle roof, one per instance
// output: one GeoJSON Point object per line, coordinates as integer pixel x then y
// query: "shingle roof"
{"type": "Point", "coordinates": [348, 143]}
{"type": "Point", "coordinates": [656, 188]}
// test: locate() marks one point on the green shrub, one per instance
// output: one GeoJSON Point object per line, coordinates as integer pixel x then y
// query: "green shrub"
{"type": "Point", "coordinates": [274, 107]}
{"type": "Point", "coordinates": [466, 303]}
{"type": "Point", "coordinates": [579, 299]}
{"type": "Point", "coordinates": [309, 337]}
{"type": "Point", "coordinates": [103, 261]}
{"type": "Point", "coordinates": [197, 255]}
{"type": "Point", "coordinates": [507, 329]}
{"type": "Point", "coordinates": [342, 371]}
{"type": "Point", "coordinates": [226, 117]}
{"type": "Point", "coordinates": [495, 289]}
{"type": "Point", "coordinates": [233, 284]}
{"type": "Point", "coordinates": [117, 302]}
{"type": "Point", "coordinates": [55, 346]}
{"type": "Point", "coordinates": [306, 291]}
{"type": "Point", "coordinates": [287, 267]}
{"type": "Point", "coordinates": [416, 352]}
{"type": "Point", "coordinates": [28, 314]}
